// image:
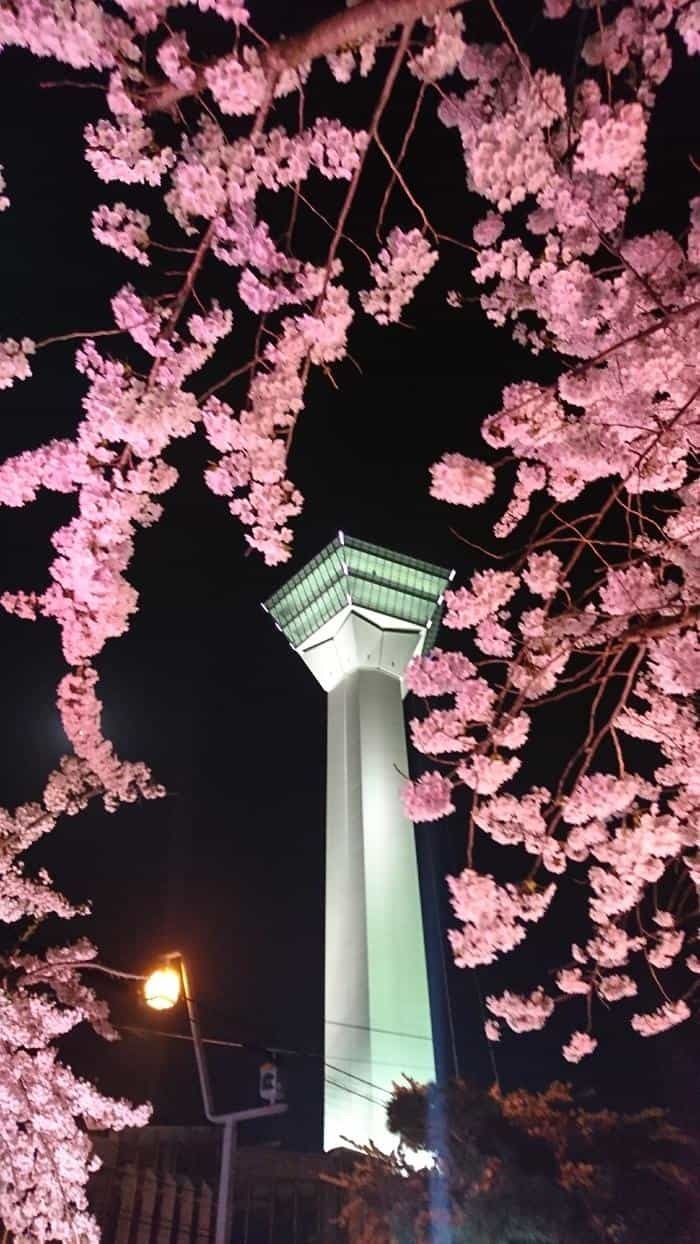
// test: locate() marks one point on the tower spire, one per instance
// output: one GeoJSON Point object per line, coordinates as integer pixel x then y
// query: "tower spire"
{"type": "Point", "coordinates": [356, 614]}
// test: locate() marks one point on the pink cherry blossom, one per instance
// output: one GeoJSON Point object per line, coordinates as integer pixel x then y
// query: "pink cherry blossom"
{"type": "Point", "coordinates": [210, 328]}
{"type": "Point", "coordinates": [230, 10]}
{"type": "Point", "coordinates": [428, 799]}
{"type": "Point", "coordinates": [438, 672]}
{"type": "Point", "coordinates": [462, 481]}
{"type": "Point", "coordinates": [443, 53]}
{"type": "Point", "coordinates": [489, 590]}
{"type": "Point", "coordinates": [543, 574]}
{"type": "Point", "coordinates": [578, 1046]}
{"type": "Point", "coordinates": [689, 27]}
{"type": "Point", "coordinates": [488, 230]}
{"type": "Point", "coordinates": [131, 314]}
{"type": "Point", "coordinates": [522, 1012]}
{"type": "Point", "coordinates": [611, 946]}
{"type": "Point", "coordinates": [341, 65]}
{"type": "Point", "coordinates": [493, 916]}
{"type": "Point", "coordinates": [124, 229]}
{"type": "Point", "coordinates": [86, 37]}
{"type": "Point", "coordinates": [511, 732]}
{"type": "Point", "coordinates": [399, 269]}
{"type": "Point", "coordinates": [238, 83]}
{"type": "Point", "coordinates": [616, 986]}
{"type": "Point", "coordinates": [443, 730]}
{"type": "Point", "coordinates": [668, 945]}
{"type": "Point", "coordinates": [612, 144]}
{"type": "Point", "coordinates": [493, 638]}
{"type": "Point", "coordinates": [14, 361]}
{"type": "Point", "coordinates": [598, 796]}
{"type": "Point", "coordinates": [557, 8]}
{"type": "Point", "coordinates": [529, 479]}
{"type": "Point", "coordinates": [173, 56]}
{"type": "Point", "coordinates": [126, 152]}
{"type": "Point", "coordinates": [511, 820]}
{"type": "Point", "coordinates": [487, 774]}
{"type": "Point", "coordinates": [665, 1017]}
{"type": "Point", "coordinates": [553, 856]}
{"type": "Point", "coordinates": [475, 700]}
{"type": "Point", "coordinates": [571, 981]}
{"type": "Point", "coordinates": [675, 664]}
{"type": "Point", "coordinates": [47, 1109]}
{"type": "Point", "coordinates": [582, 838]}
{"type": "Point", "coordinates": [634, 589]}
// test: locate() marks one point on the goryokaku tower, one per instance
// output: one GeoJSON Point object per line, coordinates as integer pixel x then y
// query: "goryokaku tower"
{"type": "Point", "coordinates": [356, 614]}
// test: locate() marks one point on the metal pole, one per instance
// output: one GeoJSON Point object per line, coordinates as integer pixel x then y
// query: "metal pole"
{"type": "Point", "coordinates": [230, 1121]}
{"type": "Point", "coordinates": [224, 1203]}
{"type": "Point", "coordinates": [202, 1069]}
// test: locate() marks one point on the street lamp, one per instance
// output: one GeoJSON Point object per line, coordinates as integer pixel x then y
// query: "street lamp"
{"type": "Point", "coordinates": [162, 991]}
{"type": "Point", "coordinates": [162, 988]}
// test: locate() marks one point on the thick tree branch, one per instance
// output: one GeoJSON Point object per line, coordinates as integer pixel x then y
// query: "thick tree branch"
{"type": "Point", "coordinates": [371, 19]}
{"type": "Point", "coordinates": [656, 627]}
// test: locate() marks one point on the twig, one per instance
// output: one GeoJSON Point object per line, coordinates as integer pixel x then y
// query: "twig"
{"type": "Point", "coordinates": [400, 157]}
{"type": "Point", "coordinates": [78, 335]}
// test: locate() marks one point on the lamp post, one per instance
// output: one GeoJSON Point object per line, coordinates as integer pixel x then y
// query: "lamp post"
{"type": "Point", "coordinates": [162, 991]}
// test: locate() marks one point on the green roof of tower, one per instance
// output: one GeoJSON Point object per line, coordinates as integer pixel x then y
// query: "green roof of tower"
{"type": "Point", "coordinates": [351, 572]}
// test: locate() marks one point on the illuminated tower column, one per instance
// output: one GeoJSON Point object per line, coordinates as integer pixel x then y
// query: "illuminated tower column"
{"type": "Point", "coordinates": [356, 614]}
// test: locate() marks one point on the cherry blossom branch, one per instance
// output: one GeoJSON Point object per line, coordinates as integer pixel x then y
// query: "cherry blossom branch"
{"type": "Point", "coordinates": [78, 335]}
{"type": "Point", "coordinates": [345, 237]}
{"type": "Point", "coordinates": [87, 965]}
{"type": "Point", "coordinates": [640, 335]}
{"type": "Point", "coordinates": [380, 106]}
{"type": "Point", "coordinates": [588, 748]}
{"type": "Point", "coordinates": [512, 42]}
{"type": "Point", "coordinates": [384, 96]}
{"type": "Point", "coordinates": [399, 177]}
{"type": "Point", "coordinates": [370, 19]}
{"type": "Point", "coordinates": [231, 375]}
{"type": "Point", "coordinates": [410, 130]}
{"type": "Point", "coordinates": [190, 278]}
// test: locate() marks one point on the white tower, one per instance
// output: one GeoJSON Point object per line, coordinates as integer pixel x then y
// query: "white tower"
{"type": "Point", "coordinates": [356, 614]}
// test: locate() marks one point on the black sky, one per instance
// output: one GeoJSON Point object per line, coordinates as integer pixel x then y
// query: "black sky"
{"type": "Point", "coordinates": [229, 866]}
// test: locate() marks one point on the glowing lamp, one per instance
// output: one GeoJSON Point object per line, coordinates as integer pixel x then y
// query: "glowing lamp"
{"type": "Point", "coordinates": [162, 988]}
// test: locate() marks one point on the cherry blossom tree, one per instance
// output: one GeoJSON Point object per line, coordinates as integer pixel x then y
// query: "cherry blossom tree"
{"type": "Point", "coordinates": [596, 606]}
{"type": "Point", "coordinates": [46, 1109]}
{"type": "Point", "coordinates": [521, 1166]}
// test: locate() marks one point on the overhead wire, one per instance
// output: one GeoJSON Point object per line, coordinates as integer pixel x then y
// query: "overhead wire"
{"type": "Point", "coordinates": [256, 1049]}
{"type": "Point", "coordinates": [389, 1032]}
{"type": "Point", "coordinates": [335, 1023]}
{"type": "Point", "coordinates": [238, 1045]}
{"type": "Point", "coordinates": [279, 1049]}
{"type": "Point", "coordinates": [262, 1047]}
{"type": "Point", "coordinates": [351, 1076]}
{"type": "Point", "coordinates": [354, 1093]}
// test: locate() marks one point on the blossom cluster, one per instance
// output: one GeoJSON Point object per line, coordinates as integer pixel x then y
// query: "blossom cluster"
{"type": "Point", "coordinates": [47, 1110]}
{"type": "Point", "coordinates": [400, 267]}
{"type": "Point", "coordinates": [625, 318]}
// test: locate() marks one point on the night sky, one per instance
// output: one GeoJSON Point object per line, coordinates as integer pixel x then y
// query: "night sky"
{"type": "Point", "coordinates": [229, 867]}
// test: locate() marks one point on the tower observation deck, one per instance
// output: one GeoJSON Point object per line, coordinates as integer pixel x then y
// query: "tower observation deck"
{"type": "Point", "coordinates": [356, 614]}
